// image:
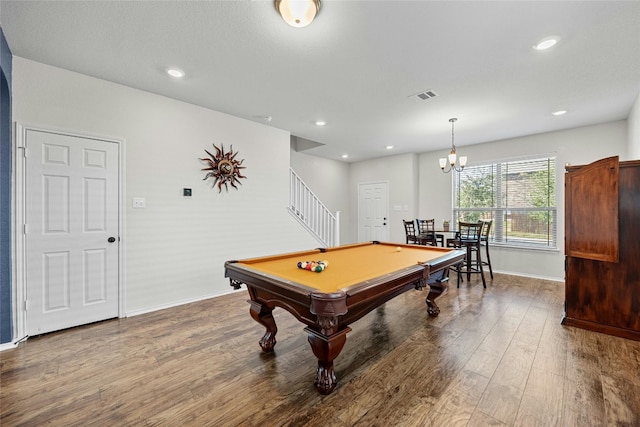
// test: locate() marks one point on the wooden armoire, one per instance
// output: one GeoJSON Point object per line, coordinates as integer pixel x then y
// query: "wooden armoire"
{"type": "Point", "coordinates": [602, 247]}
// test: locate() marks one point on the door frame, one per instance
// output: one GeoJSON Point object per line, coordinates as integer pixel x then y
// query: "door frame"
{"type": "Point", "coordinates": [19, 209]}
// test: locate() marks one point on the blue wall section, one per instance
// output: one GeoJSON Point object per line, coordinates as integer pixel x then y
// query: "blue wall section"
{"type": "Point", "coordinates": [5, 191]}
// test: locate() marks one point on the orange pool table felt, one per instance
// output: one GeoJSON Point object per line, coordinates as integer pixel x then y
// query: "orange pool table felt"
{"type": "Point", "coordinates": [348, 265]}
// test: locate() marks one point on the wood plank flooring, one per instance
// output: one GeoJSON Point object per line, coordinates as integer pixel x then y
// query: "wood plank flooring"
{"type": "Point", "coordinates": [494, 357]}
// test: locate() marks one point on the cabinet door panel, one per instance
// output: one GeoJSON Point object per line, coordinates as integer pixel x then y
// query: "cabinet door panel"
{"type": "Point", "coordinates": [591, 210]}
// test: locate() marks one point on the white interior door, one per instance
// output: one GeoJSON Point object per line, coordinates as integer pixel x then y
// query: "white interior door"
{"type": "Point", "coordinates": [372, 212]}
{"type": "Point", "coordinates": [72, 242]}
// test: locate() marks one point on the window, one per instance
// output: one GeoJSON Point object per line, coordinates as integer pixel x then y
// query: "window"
{"type": "Point", "coordinates": [518, 195]}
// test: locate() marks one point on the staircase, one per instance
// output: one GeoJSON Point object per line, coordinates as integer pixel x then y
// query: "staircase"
{"type": "Point", "coordinates": [312, 213]}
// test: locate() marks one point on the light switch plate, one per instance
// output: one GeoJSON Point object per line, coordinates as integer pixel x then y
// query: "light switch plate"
{"type": "Point", "coordinates": [139, 203]}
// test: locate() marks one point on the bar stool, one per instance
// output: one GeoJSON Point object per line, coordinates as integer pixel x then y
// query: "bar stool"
{"type": "Point", "coordinates": [468, 237]}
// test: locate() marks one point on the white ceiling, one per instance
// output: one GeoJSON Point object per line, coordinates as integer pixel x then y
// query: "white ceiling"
{"type": "Point", "coordinates": [357, 64]}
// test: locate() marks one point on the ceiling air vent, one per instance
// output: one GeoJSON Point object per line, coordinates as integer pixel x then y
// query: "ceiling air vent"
{"type": "Point", "coordinates": [423, 96]}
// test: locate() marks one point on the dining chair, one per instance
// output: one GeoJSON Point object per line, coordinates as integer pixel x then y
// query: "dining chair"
{"type": "Point", "coordinates": [427, 228]}
{"type": "Point", "coordinates": [410, 232]}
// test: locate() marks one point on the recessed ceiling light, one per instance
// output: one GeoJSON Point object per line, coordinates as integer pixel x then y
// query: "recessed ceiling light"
{"type": "Point", "coordinates": [174, 72]}
{"type": "Point", "coordinates": [321, 123]}
{"type": "Point", "coordinates": [389, 147]}
{"type": "Point", "coordinates": [344, 156]}
{"type": "Point", "coordinates": [559, 112]}
{"type": "Point", "coordinates": [546, 43]}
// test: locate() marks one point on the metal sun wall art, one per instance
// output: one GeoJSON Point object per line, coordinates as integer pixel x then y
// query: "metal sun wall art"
{"type": "Point", "coordinates": [224, 168]}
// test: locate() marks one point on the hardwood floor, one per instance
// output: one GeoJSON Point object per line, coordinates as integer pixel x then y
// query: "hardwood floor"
{"type": "Point", "coordinates": [497, 356]}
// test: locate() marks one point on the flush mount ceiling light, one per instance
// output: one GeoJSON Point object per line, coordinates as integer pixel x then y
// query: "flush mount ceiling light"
{"type": "Point", "coordinates": [559, 112]}
{"type": "Point", "coordinates": [452, 156]}
{"type": "Point", "coordinates": [321, 123]}
{"type": "Point", "coordinates": [298, 13]}
{"type": "Point", "coordinates": [174, 72]}
{"type": "Point", "coordinates": [546, 43]}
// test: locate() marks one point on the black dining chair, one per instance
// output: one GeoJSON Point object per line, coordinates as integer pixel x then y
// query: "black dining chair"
{"type": "Point", "coordinates": [410, 232]}
{"type": "Point", "coordinates": [427, 228]}
{"type": "Point", "coordinates": [468, 237]}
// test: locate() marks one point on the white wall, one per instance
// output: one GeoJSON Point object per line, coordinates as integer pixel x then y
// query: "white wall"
{"type": "Point", "coordinates": [176, 247]}
{"type": "Point", "coordinates": [634, 131]}
{"type": "Point", "coordinates": [575, 146]}
{"type": "Point", "coordinates": [401, 172]}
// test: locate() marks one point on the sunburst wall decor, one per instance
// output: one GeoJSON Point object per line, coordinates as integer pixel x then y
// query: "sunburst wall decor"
{"type": "Point", "coordinates": [224, 168]}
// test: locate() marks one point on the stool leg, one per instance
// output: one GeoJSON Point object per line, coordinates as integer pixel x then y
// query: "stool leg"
{"type": "Point", "coordinates": [469, 263]}
{"type": "Point", "coordinates": [489, 260]}
{"type": "Point", "coordinates": [479, 261]}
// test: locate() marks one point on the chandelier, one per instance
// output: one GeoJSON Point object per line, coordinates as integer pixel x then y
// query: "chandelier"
{"type": "Point", "coordinates": [452, 157]}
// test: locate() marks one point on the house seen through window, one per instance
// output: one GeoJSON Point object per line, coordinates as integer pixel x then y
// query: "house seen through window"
{"type": "Point", "coordinates": [518, 195]}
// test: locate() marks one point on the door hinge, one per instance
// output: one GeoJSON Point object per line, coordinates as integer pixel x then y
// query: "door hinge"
{"type": "Point", "coordinates": [24, 228]}
{"type": "Point", "coordinates": [24, 151]}
{"type": "Point", "coordinates": [26, 305]}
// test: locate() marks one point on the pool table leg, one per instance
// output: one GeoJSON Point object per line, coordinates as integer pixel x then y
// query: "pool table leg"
{"type": "Point", "coordinates": [436, 289]}
{"type": "Point", "coordinates": [263, 315]}
{"type": "Point", "coordinates": [326, 349]}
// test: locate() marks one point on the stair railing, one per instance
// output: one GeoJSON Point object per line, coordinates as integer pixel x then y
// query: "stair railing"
{"type": "Point", "coordinates": [305, 206]}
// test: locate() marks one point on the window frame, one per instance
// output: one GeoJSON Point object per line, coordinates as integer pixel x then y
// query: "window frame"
{"type": "Point", "coordinates": [499, 214]}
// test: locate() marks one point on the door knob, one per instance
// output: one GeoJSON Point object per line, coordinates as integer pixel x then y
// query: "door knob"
{"type": "Point", "coordinates": [111, 239]}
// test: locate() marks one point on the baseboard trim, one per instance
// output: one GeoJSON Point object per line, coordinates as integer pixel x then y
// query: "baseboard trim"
{"type": "Point", "coordinates": [8, 345]}
{"type": "Point", "coordinates": [530, 276]}
{"type": "Point", "coordinates": [174, 304]}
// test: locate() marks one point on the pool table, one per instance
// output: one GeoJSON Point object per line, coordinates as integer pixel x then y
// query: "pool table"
{"type": "Point", "coordinates": [358, 278]}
